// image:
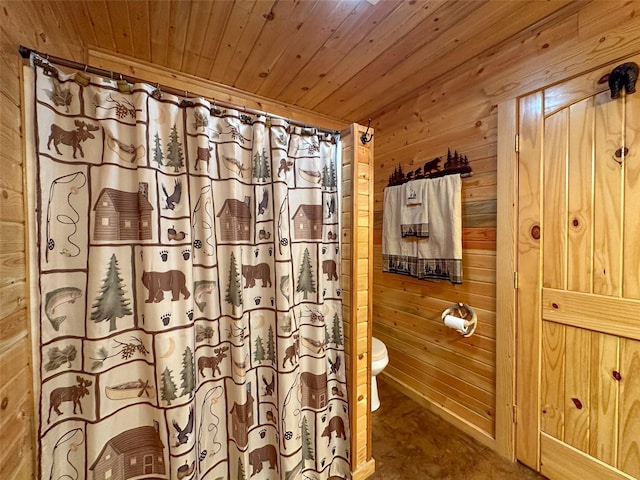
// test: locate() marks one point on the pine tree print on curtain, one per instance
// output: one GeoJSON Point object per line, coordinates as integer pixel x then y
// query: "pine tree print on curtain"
{"type": "Point", "coordinates": [188, 313]}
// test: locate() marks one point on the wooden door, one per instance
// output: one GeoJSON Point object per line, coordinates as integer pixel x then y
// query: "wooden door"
{"type": "Point", "coordinates": [578, 307]}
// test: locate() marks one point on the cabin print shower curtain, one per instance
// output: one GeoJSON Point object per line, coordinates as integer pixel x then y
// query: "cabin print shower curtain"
{"type": "Point", "coordinates": [185, 288]}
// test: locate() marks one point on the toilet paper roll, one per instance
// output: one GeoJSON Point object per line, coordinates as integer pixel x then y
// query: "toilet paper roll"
{"type": "Point", "coordinates": [456, 323]}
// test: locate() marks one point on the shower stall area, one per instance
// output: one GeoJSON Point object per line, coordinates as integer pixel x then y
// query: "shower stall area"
{"type": "Point", "coordinates": [198, 308]}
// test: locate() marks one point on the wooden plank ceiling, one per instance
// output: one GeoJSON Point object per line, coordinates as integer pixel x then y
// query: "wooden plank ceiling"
{"type": "Point", "coordinates": [345, 58]}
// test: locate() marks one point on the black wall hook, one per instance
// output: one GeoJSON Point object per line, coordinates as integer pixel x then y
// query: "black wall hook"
{"type": "Point", "coordinates": [364, 138]}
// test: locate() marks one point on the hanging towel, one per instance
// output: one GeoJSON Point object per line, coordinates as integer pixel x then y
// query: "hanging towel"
{"type": "Point", "coordinates": [396, 251]}
{"type": "Point", "coordinates": [414, 214]}
{"type": "Point", "coordinates": [440, 256]}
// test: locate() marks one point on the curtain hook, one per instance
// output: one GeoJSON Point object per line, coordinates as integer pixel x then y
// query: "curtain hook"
{"type": "Point", "coordinates": [157, 93]}
{"type": "Point", "coordinates": [123, 85]}
{"type": "Point", "coordinates": [82, 78]}
{"type": "Point", "coordinates": [364, 138]}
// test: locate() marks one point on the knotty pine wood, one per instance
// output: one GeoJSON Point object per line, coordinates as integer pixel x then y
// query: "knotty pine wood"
{"type": "Point", "coordinates": [592, 311]}
{"type": "Point", "coordinates": [315, 54]}
{"type": "Point", "coordinates": [560, 461]}
{"type": "Point", "coordinates": [576, 37]}
{"type": "Point", "coordinates": [630, 250]}
{"type": "Point", "coordinates": [16, 413]}
{"type": "Point", "coordinates": [459, 111]}
{"type": "Point", "coordinates": [528, 260]}
{"type": "Point", "coordinates": [576, 388]}
{"type": "Point", "coordinates": [607, 205]}
{"type": "Point", "coordinates": [588, 333]}
{"type": "Point", "coordinates": [605, 390]}
{"type": "Point", "coordinates": [195, 86]}
{"type": "Point", "coordinates": [552, 386]}
{"type": "Point", "coordinates": [505, 289]}
{"type": "Point", "coordinates": [357, 244]}
{"type": "Point", "coordinates": [629, 413]}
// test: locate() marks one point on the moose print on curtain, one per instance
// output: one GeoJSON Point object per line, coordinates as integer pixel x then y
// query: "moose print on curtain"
{"type": "Point", "coordinates": [186, 303]}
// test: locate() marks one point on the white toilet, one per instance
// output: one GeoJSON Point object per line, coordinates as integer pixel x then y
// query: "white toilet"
{"type": "Point", "coordinates": [379, 360]}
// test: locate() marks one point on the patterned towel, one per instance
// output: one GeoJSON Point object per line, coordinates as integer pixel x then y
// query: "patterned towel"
{"type": "Point", "coordinates": [414, 214]}
{"type": "Point", "coordinates": [440, 255]}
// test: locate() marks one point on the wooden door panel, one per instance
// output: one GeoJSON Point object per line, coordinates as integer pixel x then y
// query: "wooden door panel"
{"type": "Point", "coordinates": [561, 462]}
{"type": "Point", "coordinates": [615, 316]}
{"type": "Point", "coordinates": [578, 302]}
{"type": "Point", "coordinates": [579, 88]}
{"type": "Point", "coordinates": [556, 147]}
{"type": "Point", "coordinates": [528, 305]}
{"type": "Point", "coordinates": [579, 181]}
{"type": "Point", "coordinates": [576, 392]}
{"type": "Point", "coordinates": [607, 223]}
{"type": "Point", "coordinates": [631, 248]}
{"type": "Point", "coordinates": [629, 422]}
{"type": "Point", "coordinates": [552, 379]}
{"type": "Point", "coordinates": [604, 397]}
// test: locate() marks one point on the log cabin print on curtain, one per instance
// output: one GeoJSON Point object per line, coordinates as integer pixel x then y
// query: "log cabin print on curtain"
{"type": "Point", "coordinates": [186, 307]}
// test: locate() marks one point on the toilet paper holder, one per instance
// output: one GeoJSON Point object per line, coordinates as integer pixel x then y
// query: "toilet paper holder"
{"type": "Point", "coordinates": [461, 317]}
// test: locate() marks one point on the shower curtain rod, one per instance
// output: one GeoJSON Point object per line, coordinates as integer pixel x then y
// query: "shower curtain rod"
{"type": "Point", "coordinates": [25, 52]}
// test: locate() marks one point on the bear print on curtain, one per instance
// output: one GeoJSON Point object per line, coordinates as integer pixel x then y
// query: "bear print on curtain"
{"type": "Point", "coordinates": [187, 304]}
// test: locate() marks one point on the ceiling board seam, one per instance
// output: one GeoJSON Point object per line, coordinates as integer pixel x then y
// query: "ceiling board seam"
{"type": "Point", "coordinates": [420, 25]}
{"type": "Point", "coordinates": [561, 13]}
{"type": "Point", "coordinates": [308, 62]}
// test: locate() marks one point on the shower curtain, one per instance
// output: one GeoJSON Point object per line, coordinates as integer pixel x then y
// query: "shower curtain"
{"type": "Point", "coordinates": [185, 287]}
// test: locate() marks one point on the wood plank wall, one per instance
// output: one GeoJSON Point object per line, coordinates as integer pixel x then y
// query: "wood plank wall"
{"type": "Point", "coordinates": [16, 397]}
{"type": "Point", "coordinates": [356, 281]}
{"type": "Point", "coordinates": [452, 375]}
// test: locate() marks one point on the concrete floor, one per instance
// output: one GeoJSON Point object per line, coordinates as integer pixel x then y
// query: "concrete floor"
{"type": "Point", "coordinates": [411, 443]}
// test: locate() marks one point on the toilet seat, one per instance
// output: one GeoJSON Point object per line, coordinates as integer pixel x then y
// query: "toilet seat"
{"type": "Point", "coordinates": [379, 360]}
{"type": "Point", "coordinates": [378, 350]}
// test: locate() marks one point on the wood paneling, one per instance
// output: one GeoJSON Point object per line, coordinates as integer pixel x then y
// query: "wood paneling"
{"type": "Point", "coordinates": [459, 111]}
{"type": "Point", "coordinates": [318, 55]}
{"type": "Point", "coordinates": [357, 216]}
{"type": "Point", "coordinates": [588, 332]}
{"type": "Point", "coordinates": [630, 250]}
{"type": "Point", "coordinates": [560, 461]}
{"type": "Point", "coordinates": [16, 397]}
{"type": "Point", "coordinates": [592, 311]}
{"type": "Point", "coordinates": [430, 74]}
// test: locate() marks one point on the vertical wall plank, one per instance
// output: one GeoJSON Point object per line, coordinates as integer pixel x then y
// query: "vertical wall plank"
{"type": "Point", "coordinates": [505, 303]}
{"type": "Point", "coordinates": [357, 208]}
{"type": "Point", "coordinates": [631, 248]}
{"type": "Point", "coordinates": [528, 312]}
{"type": "Point", "coordinates": [552, 386]}
{"type": "Point", "coordinates": [607, 205]}
{"type": "Point", "coordinates": [577, 401]}
{"type": "Point", "coordinates": [629, 420]}
{"type": "Point", "coordinates": [580, 178]}
{"type": "Point", "coordinates": [16, 397]}
{"type": "Point", "coordinates": [603, 433]}
{"type": "Point", "coordinates": [555, 200]}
